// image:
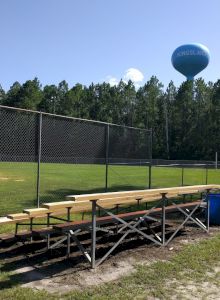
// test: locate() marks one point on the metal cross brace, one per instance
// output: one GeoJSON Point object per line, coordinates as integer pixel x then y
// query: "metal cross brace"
{"type": "Point", "coordinates": [132, 228]}
{"type": "Point", "coordinates": [79, 245]}
{"type": "Point", "coordinates": [189, 216]}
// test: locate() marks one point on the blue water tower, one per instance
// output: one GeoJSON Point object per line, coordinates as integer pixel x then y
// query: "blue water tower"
{"type": "Point", "coordinates": [190, 59]}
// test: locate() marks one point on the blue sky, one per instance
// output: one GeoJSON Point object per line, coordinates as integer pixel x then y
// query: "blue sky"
{"type": "Point", "coordinates": [103, 40]}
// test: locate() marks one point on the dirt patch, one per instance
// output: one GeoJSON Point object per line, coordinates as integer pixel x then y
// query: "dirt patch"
{"type": "Point", "coordinates": [4, 178]}
{"type": "Point", "coordinates": [8, 178]}
{"type": "Point", "coordinates": [196, 290]}
{"type": "Point", "coordinates": [32, 267]}
{"type": "Point", "coordinates": [71, 280]}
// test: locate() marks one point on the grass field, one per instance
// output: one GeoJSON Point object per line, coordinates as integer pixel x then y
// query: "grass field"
{"type": "Point", "coordinates": [18, 181]}
{"type": "Point", "coordinates": [194, 262]}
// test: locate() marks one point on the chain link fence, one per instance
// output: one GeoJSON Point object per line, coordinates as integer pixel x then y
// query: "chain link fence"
{"type": "Point", "coordinates": [183, 172]}
{"type": "Point", "coordinates": [44, 157]}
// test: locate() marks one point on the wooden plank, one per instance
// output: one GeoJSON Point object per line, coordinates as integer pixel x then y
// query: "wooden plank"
{"type": "Point", "coordinates": [140, 192]}
{"type": "Point", "coordinates": [23, 235]}
{"type": "Point", "coordinates": [5, 220]}
{"type": "Point", "coordinates": [85, 205]}
{"type": "Point", "coordinates": [106, 200]}
{"type": "Point", "coordinates": [42, 212]}
{"type": "Point", "coordinates": [190, 192]}
{"type": "Point", "coordinates": [125, 216]}
{"type": "Point", "coordinates": [88, 197]}
{"type": "Point", "coordinates": [7, 237]}
{"type": "Point", "coordinates": [127, 200]}
{"type": "Point", "coordinates": [43, 231]}
{"type": "Point", "coordinates": [121, 197]}
{"type": "Point", "coordinates": [36, 211]}
{"type": "Point", "coordinates": [58, 205]}
{"type": "Point", "coordinates": [111, 202]}
{"type": "Point", "coordinates": [17, 217]}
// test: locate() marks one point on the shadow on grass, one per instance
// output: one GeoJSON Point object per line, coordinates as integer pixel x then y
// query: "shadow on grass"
{"type": "Point", "coordinates": [55, 196]}
{"type": "Point", "coordinates": [9, 207]}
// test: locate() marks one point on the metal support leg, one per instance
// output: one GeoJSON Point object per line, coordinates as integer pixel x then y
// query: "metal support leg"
{"type": "Point", "coordinates": [184, 198]}
{"type": "Point", "coordinates": [138, 202]}
{"type": "Point", "coordinates": [68, 214]}
{"type": "Point", "coordinates": [117, 210]}
{"type": "Point", "coordinates": [16, 228]}
{"type": "Point", "coordinates": [68, 245]}
{"type": "Point", "coordinates": [163, 218]}
{"type": "Point", "coordinates": [48, 241]}
{"type": "Point", "coordinates": [207, 210]}
{"type": "Point", "coordinates": [48, 219]}
{"type": "Point", "coordinates": [93, 234]}
{"type": "Point", "coordinates": [31, 224]}
{"type": "Point", "coordinates": [31, 228]}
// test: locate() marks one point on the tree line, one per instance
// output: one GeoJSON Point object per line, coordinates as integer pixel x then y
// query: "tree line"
{"type": "Point", "coordinates": [185, 120]}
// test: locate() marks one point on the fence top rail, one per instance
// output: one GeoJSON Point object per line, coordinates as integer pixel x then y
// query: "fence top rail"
{"type": "Point", "coordinates": [73, 118]}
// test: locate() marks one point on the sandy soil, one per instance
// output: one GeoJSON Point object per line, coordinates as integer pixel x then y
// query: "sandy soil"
{"type": "Point", "coordinates": [55, 274]}
{"type": "Point", "coordinates": [7, 178]}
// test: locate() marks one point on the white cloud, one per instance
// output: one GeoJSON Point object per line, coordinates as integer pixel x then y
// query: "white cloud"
{"type": "Point", "coordinates": [112, 80]}
{"type": "Point", "coordinates": [134, 75]}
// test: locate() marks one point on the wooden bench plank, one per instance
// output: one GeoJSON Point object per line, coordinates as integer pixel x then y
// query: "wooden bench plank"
{"type": "Point", "coordinates": [19, 216]}
{"type": "Point", "coordinates": [23, 235]}
{"type": "Point", "coordinates": [88, 197]}
{"type": "Point", "coordinates": [105, 199]}
{"type": "Point", "coordinates": [85, 205]}
{"type": "Point", "coordinates": [170, 190]}
{"type": "Point", "coordinates": [43, 231]}
{"type": "Point", "coordinates": [58, 205]}
{"type": "Point", "coordinates": [36, 211]}
{"type": "Point", "coordinates": [125, 216]}
{"type": "Point", "coordinates": [191, 192]}
{"type": "Point", "coordinates": [7, 237]}
{"type": "Point", "coordinates": [5, 220]}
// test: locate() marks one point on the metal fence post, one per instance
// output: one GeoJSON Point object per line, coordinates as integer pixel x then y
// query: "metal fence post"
{"type": "Point", "coordinates": [93, 234]}
{"type": "Point", "coordinates": [206, 174]}
{"type": "Point", "coordinates": [149, 174]}
{"type": "Point", "coordinates": [106, 157]}
{"type": "Point", "coordinates": [163, 221]}
{"type": "Point", "coordinates": [151, 156]}
{"type": "Point", "coordinates": [182, 176]}
{"type": "Point", "coordinates": [39, 158]}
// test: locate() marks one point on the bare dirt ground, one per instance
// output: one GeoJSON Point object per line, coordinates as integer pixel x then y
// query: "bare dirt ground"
{"type": "Point", "coordinates": [207, 289]}
{"type": "Point", "coordinates": [197, 291]}
{"type": "Point", "coordinates": [32, 267]}
{"type": "Point", "coordinates": [4, 178]}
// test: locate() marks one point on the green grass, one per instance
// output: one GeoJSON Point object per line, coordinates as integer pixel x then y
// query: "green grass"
{"type": "Point", "coordinates": [18, 191]}
{"type": "Point", "coordinates": [194, 262]}
{"type": "Point", "coordinates": [18, 181]}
